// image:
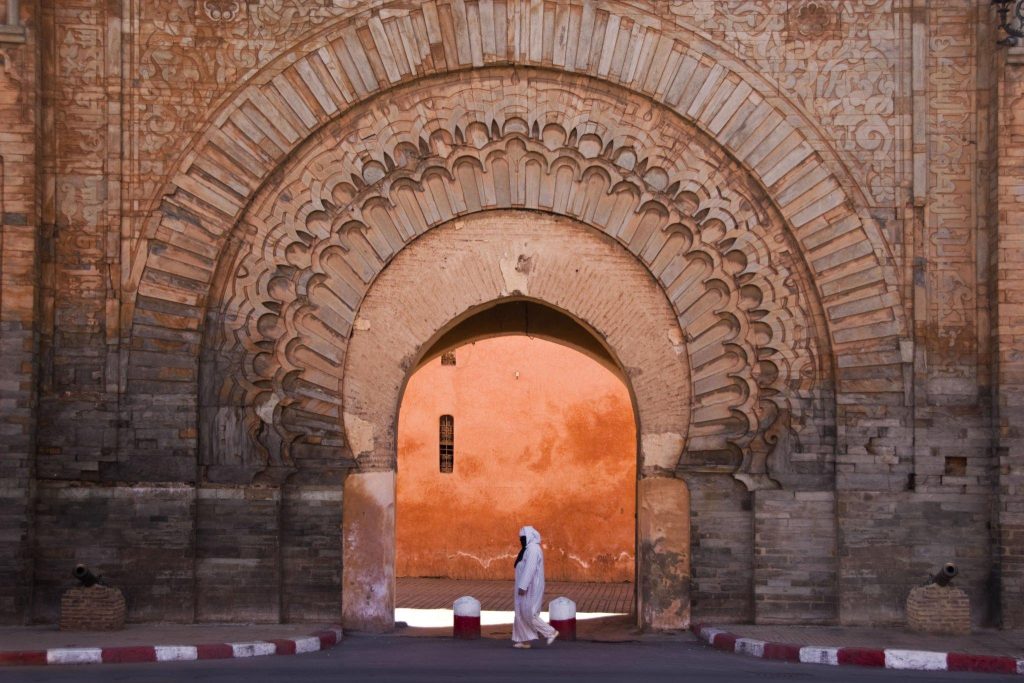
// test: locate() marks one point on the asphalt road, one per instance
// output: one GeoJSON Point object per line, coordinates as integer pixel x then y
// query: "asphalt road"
{"type": "Point", "coordinates": [425, 660]}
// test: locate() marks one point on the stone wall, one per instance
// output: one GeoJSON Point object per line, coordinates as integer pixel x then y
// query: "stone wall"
{"type": "Point", "coordinates": [20, 112]}
{"type": "Point", "coordinates": [1009, 363]}
{"type": "Point", "coordinates": [161, 174]}
{"type": "Point", "coordinates": [140, 538]}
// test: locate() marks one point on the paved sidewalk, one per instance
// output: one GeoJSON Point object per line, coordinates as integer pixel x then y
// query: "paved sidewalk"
{"type": "Point", "coordinates": [420, 593]}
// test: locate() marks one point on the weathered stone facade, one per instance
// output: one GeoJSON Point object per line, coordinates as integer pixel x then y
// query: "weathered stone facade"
{"type": "Point", "coordinates": [231, 229]}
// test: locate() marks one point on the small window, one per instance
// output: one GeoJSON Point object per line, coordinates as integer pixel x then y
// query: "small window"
{"type": "Point", "coordinates": [448, 358]}
{"type": "Point", "coordinates": [447, 440]}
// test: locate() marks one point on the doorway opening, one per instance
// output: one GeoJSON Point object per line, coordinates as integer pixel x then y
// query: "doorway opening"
{"type": "Point", "coordinates": [516, 416]}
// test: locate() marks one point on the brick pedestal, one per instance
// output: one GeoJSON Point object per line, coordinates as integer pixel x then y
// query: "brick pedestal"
{"type": "Point", "coordinates": [97, 608]}
{"type": "Point", "coordinates": [937, 609]}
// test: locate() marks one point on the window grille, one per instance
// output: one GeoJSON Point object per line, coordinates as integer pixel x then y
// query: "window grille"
{"type": "Point", "coordinates": [447, 440]}
{"type": "Point", "coordinates": [448, 358]}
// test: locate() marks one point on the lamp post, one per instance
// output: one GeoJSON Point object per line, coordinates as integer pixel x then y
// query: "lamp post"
{"type": "Point", "coordinates": [1011, 20]}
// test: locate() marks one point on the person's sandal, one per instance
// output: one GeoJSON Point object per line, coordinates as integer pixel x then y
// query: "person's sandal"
{"type": "Point", "coordinates": [552, 637]}
{"type": "Point", "coordinates": [521, 646]}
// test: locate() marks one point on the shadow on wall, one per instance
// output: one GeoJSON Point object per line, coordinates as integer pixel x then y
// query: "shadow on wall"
{"type": "Point", "coordinates": [543, 435]}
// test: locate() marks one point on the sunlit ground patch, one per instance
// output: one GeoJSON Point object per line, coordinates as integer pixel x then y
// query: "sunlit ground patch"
{"type": "Point", "coordinates": [438, 618]}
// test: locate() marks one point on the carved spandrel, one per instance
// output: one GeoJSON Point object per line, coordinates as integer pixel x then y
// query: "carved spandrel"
{"type": "Point", "coordinates": [336, 216]}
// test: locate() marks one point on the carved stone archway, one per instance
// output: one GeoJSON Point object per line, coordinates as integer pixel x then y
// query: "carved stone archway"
{"type": "Point", "coordinates": [323, 169]}
{"type": "Point", "coordinates": [452, 273]}
{"type": "Point", "coordinates": [313, 243]}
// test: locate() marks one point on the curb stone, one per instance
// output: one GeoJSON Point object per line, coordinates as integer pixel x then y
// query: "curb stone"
{"type": "Point", "coordinates": [321, 640]}
{"type": "Point", "coordinates": [915, 660]}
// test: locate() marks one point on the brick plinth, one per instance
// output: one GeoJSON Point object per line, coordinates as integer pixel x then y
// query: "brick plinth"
{"type": "Point", "coordinates": [939, 609]}
{"type": "Point", "coordinates": [97, 608]}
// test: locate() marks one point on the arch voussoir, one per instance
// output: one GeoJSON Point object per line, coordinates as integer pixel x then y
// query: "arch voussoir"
{"type": "Point", "coordinates": [702, 231]}
{"type": "Point", "coordinates": [273, 114]}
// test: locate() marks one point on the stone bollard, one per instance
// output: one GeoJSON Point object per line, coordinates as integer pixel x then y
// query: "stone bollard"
{"type": "Point", "coordinates": [467, 618]}
{"type": "Point", "coordinates": [562, 612]}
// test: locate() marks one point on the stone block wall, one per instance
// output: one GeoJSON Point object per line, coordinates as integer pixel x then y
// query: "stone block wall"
{"type": "Point", "coordinates": [311, 553]}
{"type": "Point", "coordinates": [238, 562]}
{"type": "Point", "coordinates": [1008, 261]}
{"type": "Point", "coordinates": [20, 113]}
{"type": "Point", "coordinates": [141, 539]}
{"type": "Point", "coordinates": [722, 549]}
{"type": "Point", "coordinates": [103, 459]}
{"type": "Point", "coordinates": [890, 543]}
{"type": "Point", "coordinates": [795, 559]}
{"type": "Point", "coordinates": [269, 554]}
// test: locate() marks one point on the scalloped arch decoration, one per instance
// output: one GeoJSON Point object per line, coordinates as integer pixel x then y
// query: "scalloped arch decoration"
{"type": "Point", "coordinates": [647, 65]}
{"type": "Point", "coordinates": [313, 242]}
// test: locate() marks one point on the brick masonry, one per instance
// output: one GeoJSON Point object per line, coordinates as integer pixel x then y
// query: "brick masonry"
{"type": "Point", "coordinates": [196, 203]}
{"type": "Point", "coordinates": [96, 608]}
{"type": "Point", "coordinates": [939, 609]}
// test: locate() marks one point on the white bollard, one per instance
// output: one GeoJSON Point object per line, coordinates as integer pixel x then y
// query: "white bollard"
{"type": "Point", "coordinates": [562, 612]}
{"type": "Point", "coordinates": [467, 618]}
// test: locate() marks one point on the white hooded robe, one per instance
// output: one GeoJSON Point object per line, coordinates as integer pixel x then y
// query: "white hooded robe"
{"type": "Point", "coordinates": [527, 624]}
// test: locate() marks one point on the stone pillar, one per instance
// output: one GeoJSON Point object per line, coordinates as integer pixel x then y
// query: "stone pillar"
{"type": "Point", "coordinates": [368, 552]}
{"type": "Point", "coordinates": [663, 553]}
{"type": "Point", "coordinates": [1009, 338]}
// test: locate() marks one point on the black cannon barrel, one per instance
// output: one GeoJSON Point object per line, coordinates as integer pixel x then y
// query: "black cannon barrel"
{"type": "Point", "coordinates": [84, 576]}
{"type": "Point", "coordinates": [945, 575]}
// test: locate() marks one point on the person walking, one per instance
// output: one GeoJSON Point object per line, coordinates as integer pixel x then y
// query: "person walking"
{"type": "Point", "coordinates": [529, 592]}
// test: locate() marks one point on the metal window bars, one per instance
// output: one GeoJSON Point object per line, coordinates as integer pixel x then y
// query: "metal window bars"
{"type": "Point", "coordinates": [447, 444]}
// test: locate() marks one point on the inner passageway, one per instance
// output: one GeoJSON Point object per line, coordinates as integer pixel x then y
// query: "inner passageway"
{"type": "Point", "coordinates": [507, 431]}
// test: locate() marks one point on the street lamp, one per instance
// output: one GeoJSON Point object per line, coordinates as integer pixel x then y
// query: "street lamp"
{"type": "Point", "coordinates": [1012, 25]}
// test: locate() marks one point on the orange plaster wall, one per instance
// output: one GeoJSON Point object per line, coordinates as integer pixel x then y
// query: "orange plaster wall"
{"type": "Point", "coordinates": [555, 448]}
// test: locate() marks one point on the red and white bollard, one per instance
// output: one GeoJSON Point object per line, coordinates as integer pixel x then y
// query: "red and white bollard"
{"type": "Point", "coordinates": [562, 612]}
{"type": "Point", "coordinates": [467, 618]}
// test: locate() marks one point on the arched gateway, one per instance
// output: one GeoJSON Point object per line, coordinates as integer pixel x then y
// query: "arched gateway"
{"type": "Point", "coordinates": [352, 204]}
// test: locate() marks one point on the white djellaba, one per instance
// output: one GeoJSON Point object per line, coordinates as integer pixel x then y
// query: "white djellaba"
{"type": "Point", "coordinates": [527, 624]}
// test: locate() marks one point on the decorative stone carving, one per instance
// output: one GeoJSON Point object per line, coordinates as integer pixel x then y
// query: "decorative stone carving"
{"type": "Point", "coordinates": [314, 240]}
{"type": "Point", "coordinates": [222, 10]}
{"type": "Point", "coordinates": [207, 63]}
{"type": "Point", "coordinates": [813, 20]}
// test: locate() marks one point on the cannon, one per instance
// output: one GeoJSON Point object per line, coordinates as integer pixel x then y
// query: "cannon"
{"type": "Point", "coordinates": [945, 575]}
{"type": "Point", "coordinates": [86, 577]}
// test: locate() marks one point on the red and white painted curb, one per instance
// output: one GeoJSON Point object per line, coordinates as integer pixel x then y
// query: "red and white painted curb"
{"type": "Point", "coordinates": [320, 640]}
{"type": "Point", "coordinates": [919, 660]}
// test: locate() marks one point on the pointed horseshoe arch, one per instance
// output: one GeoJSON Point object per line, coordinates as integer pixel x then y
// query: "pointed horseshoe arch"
{"type": "Point", "coordinates": [328, 164]}
{"type": "Point", "coordinates": [458, 270]}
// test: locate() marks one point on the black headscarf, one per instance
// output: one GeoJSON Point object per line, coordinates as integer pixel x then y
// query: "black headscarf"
{"type": "Point", "coordinates": [519, 557]}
